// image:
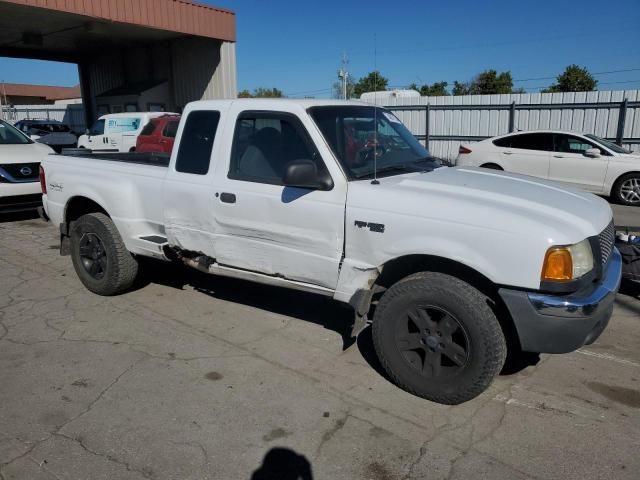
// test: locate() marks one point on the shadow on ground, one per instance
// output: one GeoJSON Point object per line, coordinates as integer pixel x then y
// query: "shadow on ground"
{"type": "Point", "coordinates": [19, 216]}
{"type": "Point", "coordinates": [305, 306]}
{"type": "Point", "coordinates": [283, 464]}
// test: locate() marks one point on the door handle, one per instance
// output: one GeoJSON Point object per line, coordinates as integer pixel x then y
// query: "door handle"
{"type": "Point", "coordinates": [228, 197]}
{"type": "Point", "coordinates": [507, 153]}
{"type": "Point", "coordinates": [558, 156]}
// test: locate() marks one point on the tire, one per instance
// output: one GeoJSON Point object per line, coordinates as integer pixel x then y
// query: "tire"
{"type": "Point", "coordinates": [492, 166]}
{"type": "Point", "coordinates": [100, 258]}
{"type": "Point", "coordinates": [437, 338]}
{"type": "Point", "coordinates": [626, 190]}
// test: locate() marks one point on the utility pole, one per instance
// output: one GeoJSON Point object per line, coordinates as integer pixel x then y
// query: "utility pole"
{"type": "Point", "coordinates": [343, 75]}
{"type": "Point", "coordinates": [2, 102]}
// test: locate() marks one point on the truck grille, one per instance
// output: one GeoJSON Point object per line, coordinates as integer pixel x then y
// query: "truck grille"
{"type": "Point", "coordinates": [606, 239]}
{"type": "Point", "coordinates": [21, 171]}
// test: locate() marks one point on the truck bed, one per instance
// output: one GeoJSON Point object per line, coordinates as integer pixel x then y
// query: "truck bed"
{"type": "Point", "coordinates": [152, 158]}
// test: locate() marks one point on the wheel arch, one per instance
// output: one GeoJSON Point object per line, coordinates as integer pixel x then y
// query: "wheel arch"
{"type": "Point", "coordinates": [398, 268]}
{"type": "Point", "coordinates": [614, 184]}
{"type": "Point", "coordinates": [80, 205]}
{"type": "Point", "coordinates": [492, 165]}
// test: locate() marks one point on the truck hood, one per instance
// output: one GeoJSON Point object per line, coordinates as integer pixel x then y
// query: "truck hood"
{"type": "Point", "coordinates": [24, 153]}
{"type": "Point", "coordinates": [485, 199]}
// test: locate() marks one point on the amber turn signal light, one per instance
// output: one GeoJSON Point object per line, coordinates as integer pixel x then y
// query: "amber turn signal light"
{"type": "Point", "coordinates": [558, 265]}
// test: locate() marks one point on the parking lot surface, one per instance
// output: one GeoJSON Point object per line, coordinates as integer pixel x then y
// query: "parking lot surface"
{"type": "Point", "coordinates": [191, 376]}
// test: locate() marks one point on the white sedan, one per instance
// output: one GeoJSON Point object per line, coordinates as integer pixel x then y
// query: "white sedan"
{"type": "Point", "coordinates": [575, 159]}
{"type": "Point", "coordinates": [20, 159]}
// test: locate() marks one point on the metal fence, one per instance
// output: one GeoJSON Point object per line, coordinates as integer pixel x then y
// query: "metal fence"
{"type": "Point", "coordinates": [72, 114]}
{"type": "Point", "coordinates": [443, 123]}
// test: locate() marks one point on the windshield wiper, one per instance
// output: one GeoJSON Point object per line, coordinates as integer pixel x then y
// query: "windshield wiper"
{"type": "Point", "coordinates": [389, 168]}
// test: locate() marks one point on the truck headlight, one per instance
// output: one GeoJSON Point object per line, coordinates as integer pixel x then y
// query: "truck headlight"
{"type": "Point", "coordinates": [567, 262]}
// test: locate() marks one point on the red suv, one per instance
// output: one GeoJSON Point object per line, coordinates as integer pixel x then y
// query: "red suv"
{"type": "Point", "coordinates": [158, 135]}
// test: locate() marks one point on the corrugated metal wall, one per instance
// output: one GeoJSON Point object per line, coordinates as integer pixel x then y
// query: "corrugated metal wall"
{"type": "Point", "coordinates": [491, 122]}
{"type": "Point", "coordinates": [72, 115]}
{"type": "Point", "coordinates": [196, 68]}
{"type": "Point", "coordinates": [203, 69]}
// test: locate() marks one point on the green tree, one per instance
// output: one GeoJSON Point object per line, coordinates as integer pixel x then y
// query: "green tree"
{"type": "Point", "coordinates": [267, 93]}
{"type": "Point", "coordinates": [437, 89]}
{"type": "Point", "coordinates": [337, 88]}
{"type": "Point", "coordinates": [261, 93]}
{"type": "Point", "coordinates": [573, 79]}
{"type": "Point", "coordinates": [460, 88]}
{"type": "Point", "coordinates": [374, 82]}
{"type": "Point", "coordinates": [489, 82]}
{"type": "Point", "coordinates": [485, 83]}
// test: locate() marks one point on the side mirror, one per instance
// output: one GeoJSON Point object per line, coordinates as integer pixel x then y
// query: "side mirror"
{"type": "Point", "coordinates": [304, 174]}
{"type": "Point", "coordinates": [87, 132]}
{"type": "Point", "coordinates": [592, 152]}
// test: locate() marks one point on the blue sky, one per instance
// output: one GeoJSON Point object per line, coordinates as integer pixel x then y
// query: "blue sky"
{"type": "Point", "coordinates": [297, 46]}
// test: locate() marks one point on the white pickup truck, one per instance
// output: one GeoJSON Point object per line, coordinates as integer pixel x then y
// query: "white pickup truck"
{"type": "Point", "coordinates": [453, 265]}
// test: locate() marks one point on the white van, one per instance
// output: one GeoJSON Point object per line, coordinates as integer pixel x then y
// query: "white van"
{"type": "Point", "coordinates": [116, 132]}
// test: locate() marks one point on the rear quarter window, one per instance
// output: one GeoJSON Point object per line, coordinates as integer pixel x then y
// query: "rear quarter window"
{"type": "Point", "coordinates": [170, 129]}
{"type": "Point", "coordinates": [148, 128]}
{"type": "Point", "coordinates": [527, 141]}
{"type": "Point", "coordinates": [196, 143]}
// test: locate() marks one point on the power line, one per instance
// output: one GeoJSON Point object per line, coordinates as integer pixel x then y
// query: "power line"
{"type": "Point", "coordinates": [308, 92]}
{"type": "Point", "coordinates": [634, 69]}
{"type": "Point", "coordinates": [594, 73]}
{"type": "Point", "coordinates": [599, 83]}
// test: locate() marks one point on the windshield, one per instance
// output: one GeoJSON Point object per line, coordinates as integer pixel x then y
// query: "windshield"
{"type": "Point", "coordinates": [366, 138]}
{"type": "Point", "coordinates": [11, 136]}
{"type": "Point", "coordinates": [610, 145]}
{"type": "Point", "coordinates": [97, 128]}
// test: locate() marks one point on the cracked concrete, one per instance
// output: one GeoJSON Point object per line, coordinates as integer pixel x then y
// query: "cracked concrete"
{"type": "Point", "coordinates": [197, 377]}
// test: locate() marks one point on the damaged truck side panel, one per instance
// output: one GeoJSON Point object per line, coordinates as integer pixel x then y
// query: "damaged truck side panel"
{"type": "Point", "coordinates": [339, 199]}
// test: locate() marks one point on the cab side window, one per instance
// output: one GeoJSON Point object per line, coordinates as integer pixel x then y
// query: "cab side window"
{"type": "Point", "coordinates": [265, 143]}
{"type": "Point", "coordinates": [194, 152]}
{"type": "Point", "coordinates": [570, 144]}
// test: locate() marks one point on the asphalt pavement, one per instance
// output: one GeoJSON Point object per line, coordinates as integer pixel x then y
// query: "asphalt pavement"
{"type": "Point", "coordinates": [191, 376]}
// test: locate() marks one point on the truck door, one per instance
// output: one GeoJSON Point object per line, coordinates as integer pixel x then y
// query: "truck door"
{"type": "Point", "coordinates": [262, 225]}
{"type": "Point", "coordinates": [188, 191]}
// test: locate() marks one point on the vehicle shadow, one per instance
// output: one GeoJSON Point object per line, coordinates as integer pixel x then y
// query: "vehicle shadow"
{"type": "Point", "coordinates": [308, 307]}
{"type": "Point", "coordinates": [283, 464]}
{"type": "Point", "coordinates": [18, 216]}
{"type": "Point", "coordinates": [304, 306]}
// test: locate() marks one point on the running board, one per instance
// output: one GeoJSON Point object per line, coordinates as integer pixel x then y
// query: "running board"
{"type": "Point", "coordinates": [209, 265]}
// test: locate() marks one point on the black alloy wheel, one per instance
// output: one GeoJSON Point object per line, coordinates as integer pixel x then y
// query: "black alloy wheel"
{"type": "Point", "coordinates": [93, 255]}
{"type": "Point", "coordinates": [432, 342]}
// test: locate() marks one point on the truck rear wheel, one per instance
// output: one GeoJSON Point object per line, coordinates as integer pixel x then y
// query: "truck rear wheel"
{"type": "Point", "coordinates": [437, 337]}
{"type": "Point", "coordinates": [100, 258]}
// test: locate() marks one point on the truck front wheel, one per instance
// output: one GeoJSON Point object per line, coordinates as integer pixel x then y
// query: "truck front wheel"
{"type": "Point", "coordinates": [437, 337]}
{"type": "Point", "coordinates": [100, 258]}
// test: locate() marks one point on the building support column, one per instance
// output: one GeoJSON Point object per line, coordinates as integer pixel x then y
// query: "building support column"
{"type": "Point", "coordinates": [87, 94]}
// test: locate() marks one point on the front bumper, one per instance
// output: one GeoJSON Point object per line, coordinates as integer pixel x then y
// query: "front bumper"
{"type": "Point", "coordinates": [548, 323]}
{"type": "Point", "coordinates": [19, 197]}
